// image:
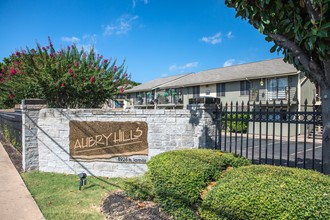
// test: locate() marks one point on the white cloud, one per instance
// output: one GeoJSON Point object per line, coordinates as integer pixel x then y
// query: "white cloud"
{"type": "Point", "coordinates": [87, 41]}
{"type": "Point", "coordinates": [91, 39]}
{"type": "Point", "coordinates": [229, 62]}
{"type": "Point", "coordinates": [183, 67]}
{"type": "Point", "coordinates": [230, 35]}
{"type": "Point", "coordinates": [215, 39]}
{"type": "Point", "coordinates": [70, 39]}
{"type": "Point", "coordinates": [122, 25]}
{"type": "Point", "coordinates": [134, 2]}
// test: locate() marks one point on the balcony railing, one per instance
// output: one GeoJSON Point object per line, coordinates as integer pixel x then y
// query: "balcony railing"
{"type": "Point", "coordinates": [161, 102]}
{"type": "Point", "coordinates": [285, 94]}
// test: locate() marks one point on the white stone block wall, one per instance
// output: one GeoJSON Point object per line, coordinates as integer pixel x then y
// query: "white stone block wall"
{"type": "Point", "coordinates": [167, 130]}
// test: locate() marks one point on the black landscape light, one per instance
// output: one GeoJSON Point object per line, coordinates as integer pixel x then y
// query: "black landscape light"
{"type": "Point", "coordinates": [83, 180]}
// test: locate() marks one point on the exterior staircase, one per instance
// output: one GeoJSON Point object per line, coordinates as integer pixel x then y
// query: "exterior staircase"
{"type": "Point", "coordinates": [318, 133]}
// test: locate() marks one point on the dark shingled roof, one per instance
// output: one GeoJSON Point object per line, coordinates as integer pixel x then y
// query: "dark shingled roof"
{"type": "Point", "coordinates": [256, 70]}
{"type": "Point", "coordinates": [156, 83]}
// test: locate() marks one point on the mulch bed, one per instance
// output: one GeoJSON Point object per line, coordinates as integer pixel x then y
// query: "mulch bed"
{"type": "Point", "coordinates": [13, 153]}
{"type": "Point", "coordinates": [119, 207]}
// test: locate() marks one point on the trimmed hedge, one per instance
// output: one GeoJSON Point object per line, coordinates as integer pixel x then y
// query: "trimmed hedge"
{"type": "Point", "coordinates": [235, 122]}
{"type": "Point", "coordinates": [180, 176]}
{"type": "Point", "coordinates": [268, 192]}
{"type": "Point", "coordinates": [139, 188]}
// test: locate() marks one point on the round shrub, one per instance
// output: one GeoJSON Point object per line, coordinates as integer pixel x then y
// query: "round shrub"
{"type": "Point", "coordinates": [180, 176]}
{"type": "Point", "coordinates": [268, 192]}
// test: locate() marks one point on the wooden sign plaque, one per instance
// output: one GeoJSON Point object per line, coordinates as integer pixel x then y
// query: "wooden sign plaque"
{"type": "Point", "coordinates": [104, 140]}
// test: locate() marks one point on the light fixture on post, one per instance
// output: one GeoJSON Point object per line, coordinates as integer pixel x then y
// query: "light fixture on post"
{"type": "Point", "coordinates": [83, 180]}
{"type": "Point", "coordinates": [261, 82]}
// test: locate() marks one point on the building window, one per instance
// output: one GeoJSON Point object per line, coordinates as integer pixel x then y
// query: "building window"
{"type": "Point", "coordinates": [245, 87]}
{"type": "Point", "coordinates": [139, 98]}
{"type": "Point", "coordinates": [276, 88]}
{"type": "Point", "coordinates": [221, 89]}
{"type": "Point", "coordinates": [196, 91]}
{"type": "Point", "coordinates": [119, 104]}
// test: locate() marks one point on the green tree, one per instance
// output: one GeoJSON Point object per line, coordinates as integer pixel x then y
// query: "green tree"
{"type": "Point", "coordinates": [66, 78]}
{"type": "Point", "coordinates": [300, 29]}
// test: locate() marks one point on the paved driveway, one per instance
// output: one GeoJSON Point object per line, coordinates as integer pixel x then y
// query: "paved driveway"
{"type": "Point", "coordinates": [278, 151]}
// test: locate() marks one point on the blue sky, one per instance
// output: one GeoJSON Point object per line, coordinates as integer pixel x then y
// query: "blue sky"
{"type": "Point", "coordinates": [156, 38]}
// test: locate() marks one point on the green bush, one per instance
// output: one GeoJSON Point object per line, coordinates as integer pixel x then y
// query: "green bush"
{"type": "Point", "coordinates": [180, 176]}
{"type": "Point", "coordinates": [268, 192]}
{"type": "Point", "coordinates": [235, 122]}
{"type": "Point", "coordinates": [10, 136]}
{"type": "Point", "coordinates": [139, 188]}
{"type": "Point", "coordinates": [69, 77]}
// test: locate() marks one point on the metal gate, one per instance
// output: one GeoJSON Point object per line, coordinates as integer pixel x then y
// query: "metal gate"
{"type": "Point", "coordinates": [277, 132]}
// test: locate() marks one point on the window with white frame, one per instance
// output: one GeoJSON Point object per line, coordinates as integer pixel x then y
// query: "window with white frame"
{"type": "Point", "coordinates": [276, 88]}
{"type": "Point", "coordinates": [245, 87]}
{"type": "Point", "coordinates": [196, 91]}
{"type": "Point", "coordinates": [221, 89]}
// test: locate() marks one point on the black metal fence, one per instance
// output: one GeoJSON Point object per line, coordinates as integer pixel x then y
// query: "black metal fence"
{"type": "Point", "coordinates": [11, 128]}
{"type": "Point", "coordinates": [276, 132]}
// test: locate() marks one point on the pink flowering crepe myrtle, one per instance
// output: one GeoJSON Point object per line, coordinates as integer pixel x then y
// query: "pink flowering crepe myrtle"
{"type": "Point", "coordinates": [64, 76]}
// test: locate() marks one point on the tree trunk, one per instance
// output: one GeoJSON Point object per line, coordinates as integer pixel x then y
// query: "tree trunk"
{"type": "Point", "coordinates": [326, 129]}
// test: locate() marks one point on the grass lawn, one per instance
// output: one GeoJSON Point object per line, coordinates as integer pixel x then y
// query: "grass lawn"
{"type": "Point", "coordinates": [58, 197]}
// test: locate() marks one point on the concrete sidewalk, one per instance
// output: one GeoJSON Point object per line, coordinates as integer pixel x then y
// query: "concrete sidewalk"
{"type": "Point", "coordinates": [16, 201]}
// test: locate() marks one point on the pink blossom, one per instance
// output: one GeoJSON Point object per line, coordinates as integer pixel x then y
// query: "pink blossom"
{"type": "Point", "coordinates": [92, 79]}
{"type": "Point", "coordinates": [12, 71]}
{"type": "Point", "coordinates": [122, 90]}
{"type": "Point", "coordinates": [77, 63]}
{"type": "Point", "coordinates": [125, 75]}
{"type": "Point", "coordinates": [11, 96]}
{"type": "Point", "coordinates": [62, 85]}
{"type": "Point", "coordinates": [70, 71]}
{"type": "Point", "coordinates": [43, 48]}
{"type": "Point", "coordinates": [47, 47]}
{"type": "Point", "coordinates": [18, 53]}
{"type": "Point", "coordinates": [105, 61]}
{"type": "Point", "coordinates": [115, 68]}
{"type": "Point", "coordinates": [50, 42]}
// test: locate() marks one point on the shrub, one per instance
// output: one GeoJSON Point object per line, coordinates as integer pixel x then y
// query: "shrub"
{"type": "Point", "coordinates": [235, 122]}
{"type": "Point", "coordinates": [180, 176]}
{"type": "Point", "coordinates": [139, 188]}
{"type": "Point", "coordinates": [10, 136]}
{"type": "Point", "coordinates": [69, 77]}
{"type": "Point", "coordinates": [268, 192]}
